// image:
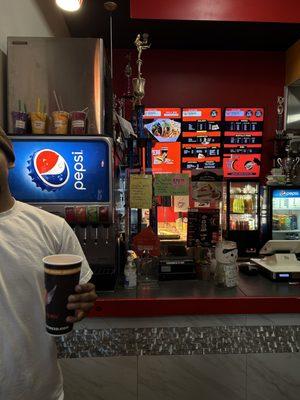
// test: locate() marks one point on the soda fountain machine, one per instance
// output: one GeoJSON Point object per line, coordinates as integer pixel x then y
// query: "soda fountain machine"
{"type": "Point", "coordinates": [72, 177]}
{"type": "Point", "coordinates": [70, 173]}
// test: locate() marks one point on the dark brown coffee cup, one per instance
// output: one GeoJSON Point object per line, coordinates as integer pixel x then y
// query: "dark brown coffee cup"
{"type": "Point", "coordinates": [62, 274]}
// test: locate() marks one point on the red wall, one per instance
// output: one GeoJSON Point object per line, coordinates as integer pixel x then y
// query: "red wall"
{"type": "Point", "coordinates": [218, 10]}
{"type": "Point", "coordinates": [212, 78]}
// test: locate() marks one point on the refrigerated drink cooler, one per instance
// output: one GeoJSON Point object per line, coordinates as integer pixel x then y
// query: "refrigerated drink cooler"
{"type": "Point", "coordinates": [284, 215]}
{"type": "Point", "coordinates": [243, 216]}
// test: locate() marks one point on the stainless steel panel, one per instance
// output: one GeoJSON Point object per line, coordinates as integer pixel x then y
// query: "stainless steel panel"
{"type": "Point", "coordinates": [74, 67]}
{"type": "Point", "coordinates": [293, 107]}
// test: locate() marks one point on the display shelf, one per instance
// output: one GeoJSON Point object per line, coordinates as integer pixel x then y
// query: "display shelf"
{"type": "Point", "coordinates": [286, 209]}
{"type": "Point", "coordinates": [243, 194]}
{"type": "Point", "coordinates": [244, 230]}
{"type": "Point", "coordinates": [286, 231]}
{"type": "Point", "coordinates": [242, 213]}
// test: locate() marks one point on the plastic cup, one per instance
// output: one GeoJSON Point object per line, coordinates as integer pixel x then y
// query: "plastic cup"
{"type": "Point", "coordinates": [78, 122]}
{"type": "Point", "coordinates": [62, 273]}
{"type": "Point", "coordinates": [38, 123]}
{"type": "Point", "coordinates": [20, 122]}
{"type": "Point", "coordinates": [60, 122]}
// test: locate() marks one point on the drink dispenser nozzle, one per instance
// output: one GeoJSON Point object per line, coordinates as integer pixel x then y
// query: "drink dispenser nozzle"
{"type": "Point", "coordinates": [93, 220]}
{"type": "Point", "coordinates": [81, 219]}
{"type": "Point", "coordinates": [70, 217]}
{"type": "Point", "coordinates": [104, 219]}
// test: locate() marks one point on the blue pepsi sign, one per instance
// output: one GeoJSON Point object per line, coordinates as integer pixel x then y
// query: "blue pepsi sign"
{"type": "Point", "coordinates": [61, 171]}
{"type": "Point", "coordinates": [286, 193]}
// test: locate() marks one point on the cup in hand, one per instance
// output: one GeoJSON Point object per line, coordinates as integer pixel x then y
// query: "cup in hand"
{"type": "Point", "coordinates": [62, 274]}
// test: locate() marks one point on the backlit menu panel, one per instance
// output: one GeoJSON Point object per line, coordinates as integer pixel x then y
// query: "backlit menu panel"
{"type": "Point", "coordinates": [243, 142]}
{"type": "Point", "coordinates": [201, 138]}
{"type": "Point", "coordinates": [166, 158]}
{"type": "Point", "coordinates": [164, 124]}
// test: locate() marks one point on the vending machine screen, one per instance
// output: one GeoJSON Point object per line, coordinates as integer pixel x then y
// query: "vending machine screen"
{"type": "Point", "coordinates": [61, 171]}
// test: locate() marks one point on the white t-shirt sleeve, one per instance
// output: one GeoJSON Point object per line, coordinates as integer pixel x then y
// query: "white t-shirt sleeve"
{"type": "Point", "coordinates": [70, 245]}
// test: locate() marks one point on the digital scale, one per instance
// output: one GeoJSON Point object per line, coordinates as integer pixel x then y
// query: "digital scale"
{"type": "Point", "coordinates": [280, 262]}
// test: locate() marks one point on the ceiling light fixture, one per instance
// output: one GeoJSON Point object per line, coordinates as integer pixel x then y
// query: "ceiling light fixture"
{"type": "Point", "coordinates": [69, 5]}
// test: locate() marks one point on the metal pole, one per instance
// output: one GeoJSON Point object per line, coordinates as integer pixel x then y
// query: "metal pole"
{"type": "Point", "coordinates": [111, 47]}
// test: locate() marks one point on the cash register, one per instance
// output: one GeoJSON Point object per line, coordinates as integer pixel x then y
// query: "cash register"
{"type": "Point", "coordinates": [279, 261]}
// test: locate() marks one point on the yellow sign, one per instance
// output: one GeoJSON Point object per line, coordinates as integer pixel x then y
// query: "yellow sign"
{"type": "Point", "coordinates": [140, 191]}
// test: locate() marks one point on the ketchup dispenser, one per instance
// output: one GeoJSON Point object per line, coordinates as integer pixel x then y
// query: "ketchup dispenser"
{"type": "Point", "coordinates": [70, 217]}
{"type": "Point", "coordinates": [93, 220]}
{"type": "Point", "coordinates": [105, 221]}
{"type": "Point", "coordinates": [81, 220]}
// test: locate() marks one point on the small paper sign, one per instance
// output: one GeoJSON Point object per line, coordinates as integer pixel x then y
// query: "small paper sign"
{"type": "Point", "coordinates": [203, 227]}
{"type": "Point", "coordinates": [141, 191]}
{"type": "Point", "coordinates": [171, 185]}
{"type": "Point", "coordinates": [146, 240]}
{"type": "Point", "coordinates": [181, 203]}
{"type": "Point", "coordinates": [126, 127]}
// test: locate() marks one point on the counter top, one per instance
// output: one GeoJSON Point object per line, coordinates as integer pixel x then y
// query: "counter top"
{"type": "Point", "coordinates": [248, 286]}
{"type": "Point", "coordinates": [254, 294]}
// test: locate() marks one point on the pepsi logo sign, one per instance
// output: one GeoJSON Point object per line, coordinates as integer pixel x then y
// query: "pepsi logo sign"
{"type": "Point", "coordinates": [48, 170]}
{"type": "Point", "coordinates": [285, 193]}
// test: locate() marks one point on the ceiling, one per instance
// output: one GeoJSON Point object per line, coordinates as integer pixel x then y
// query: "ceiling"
{"type": "Point", "coordinates": [93, 21]}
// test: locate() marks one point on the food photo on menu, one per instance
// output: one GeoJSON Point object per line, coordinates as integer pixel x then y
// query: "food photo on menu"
{"type": "Point", "coordinates": [164, 130]}
{"type": "Point", "coordinates": [166, 157]}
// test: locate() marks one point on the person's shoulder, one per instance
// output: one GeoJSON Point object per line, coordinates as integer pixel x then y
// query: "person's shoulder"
{"type": "Point", "coordinates": [38, 214]}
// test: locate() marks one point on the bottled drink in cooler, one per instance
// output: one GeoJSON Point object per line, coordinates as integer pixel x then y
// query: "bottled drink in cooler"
{"type": "Point", "coordinates": [294, 222]}
{"type": "Point", "coordinates": [276, 223]}
{"type": "Point", "coordinates": [282, 225]}
{"type": "Point", "coordinates": [288, 222]}
{"type": "Point", "coordinates": [248, 205]}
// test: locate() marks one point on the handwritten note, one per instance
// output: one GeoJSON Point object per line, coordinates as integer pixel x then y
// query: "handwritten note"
{"type": "Point", "coordinates": [181, 203]}
{"type": "Point", "coordinates": [171, 185]}
{"type": "Point", "coordinates": [140, 191]}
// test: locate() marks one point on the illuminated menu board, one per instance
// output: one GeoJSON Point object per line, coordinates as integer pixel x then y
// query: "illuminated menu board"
{"type": "Point", "coordinates": [243, 142]}
{"type": "Point", "coordinates": [166, 157]}
{"type": "Point", "coordinates": [201, 138]}
{"type": "Point", "coordinates": [164, 124]}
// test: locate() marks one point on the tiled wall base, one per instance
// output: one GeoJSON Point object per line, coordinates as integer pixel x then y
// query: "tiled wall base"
{"type": "Point", "coordinates": [179, 341]}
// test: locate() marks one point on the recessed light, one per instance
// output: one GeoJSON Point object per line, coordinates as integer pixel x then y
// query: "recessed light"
{"type": "Point", "coordinates": [69, 5]}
